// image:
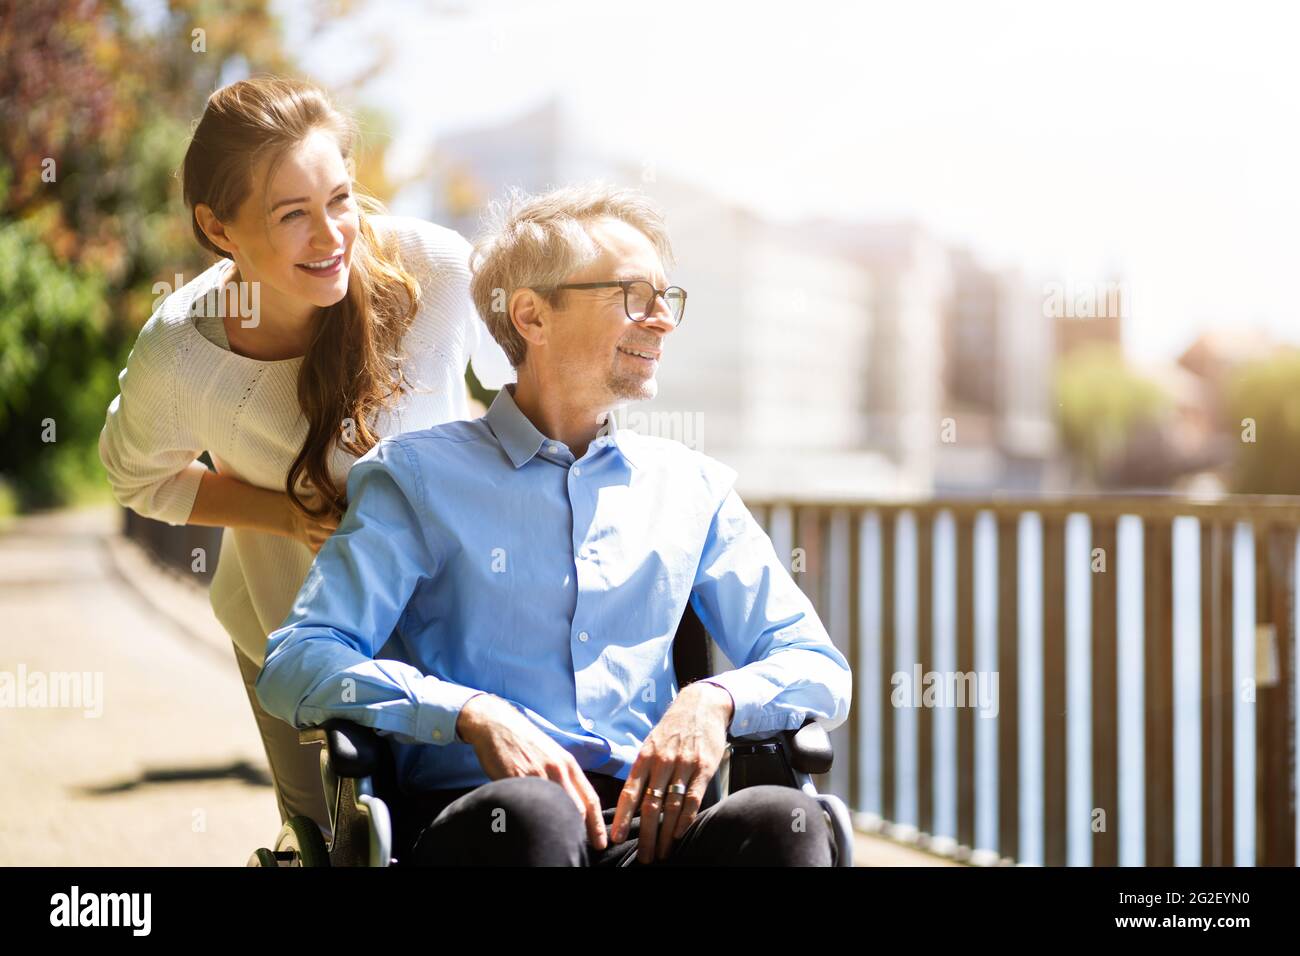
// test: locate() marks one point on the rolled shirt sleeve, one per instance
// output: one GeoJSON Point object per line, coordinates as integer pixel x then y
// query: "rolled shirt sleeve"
{"type": "Point", "coordinates": [151, 462]}
{"type": "Point", "coordinates": [320, 663]}
{"type": "Point", "coordinates": [789, 668]}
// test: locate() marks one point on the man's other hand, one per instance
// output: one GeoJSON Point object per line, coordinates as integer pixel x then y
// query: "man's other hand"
{"type": "Point", "coordinates": [508, 744]}
{"type": "Point", "coordinates": [685, 747]}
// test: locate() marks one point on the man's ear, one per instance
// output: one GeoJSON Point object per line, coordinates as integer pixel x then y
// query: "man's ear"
{"type": "Point", "coordinates": [213, 228]}
{"type": "Point", "coordinates": [529, 315]}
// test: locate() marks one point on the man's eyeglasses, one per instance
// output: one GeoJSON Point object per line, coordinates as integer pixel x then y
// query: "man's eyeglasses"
{"type": "Point", "coordinates": [639, 297]}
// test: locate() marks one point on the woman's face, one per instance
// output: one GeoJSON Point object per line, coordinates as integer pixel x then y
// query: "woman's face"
{"type": "Point", "coordinates": [294, 234]}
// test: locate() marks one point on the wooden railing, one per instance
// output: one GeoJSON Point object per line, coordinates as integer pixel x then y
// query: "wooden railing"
{"type": "Point", "coordinates": [870, 571]}
{"type": "Point", "coordinates": [1059, 583]}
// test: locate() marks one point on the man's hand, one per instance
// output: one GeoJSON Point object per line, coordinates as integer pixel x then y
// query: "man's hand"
{"type": "Point", "coordinates": [685, 747]}
{"type": "Point", "coordinates": [508, 744]}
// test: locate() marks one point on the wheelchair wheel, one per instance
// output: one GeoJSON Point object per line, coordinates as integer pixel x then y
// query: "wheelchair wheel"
{"type": "Point", "coordinates": [263, 857]}
{"type": "Point", "coordinates": [303, 839]}
{"type": "Point", "coordinates": [299, 844]}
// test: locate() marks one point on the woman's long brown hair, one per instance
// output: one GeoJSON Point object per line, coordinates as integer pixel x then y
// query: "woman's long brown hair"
{"type": "Point", "coordinates": [352, 367]}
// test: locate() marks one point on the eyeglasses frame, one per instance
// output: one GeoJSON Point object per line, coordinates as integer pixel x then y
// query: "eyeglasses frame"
{"type": "Point", "coordinates": [624, 283]}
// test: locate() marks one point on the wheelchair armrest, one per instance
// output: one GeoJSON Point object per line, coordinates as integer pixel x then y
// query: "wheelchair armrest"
{"type": "Point", "coordinates": [354, 750]}
{"type": "Point", "coordinates": [808, 749]}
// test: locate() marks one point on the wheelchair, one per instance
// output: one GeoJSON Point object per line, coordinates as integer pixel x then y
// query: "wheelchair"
{"type": "Point", "coordinates": [365, 802]}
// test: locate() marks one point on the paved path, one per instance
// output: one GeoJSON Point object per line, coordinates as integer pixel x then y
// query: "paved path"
{"type": "Point", "coordinates": [171, 771]}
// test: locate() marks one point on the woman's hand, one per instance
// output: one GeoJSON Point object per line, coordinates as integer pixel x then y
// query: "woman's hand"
{"type": "Point", "coordinates": [310, 531]}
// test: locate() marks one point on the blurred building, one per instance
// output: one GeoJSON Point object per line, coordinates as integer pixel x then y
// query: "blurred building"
{"type": "Point", "coordinates": [972, 342]}
{"type": "Point", "coordinates": [822, 358]}
{"type": "Point", "coordinates": [998, 350]}
{"type": "Point", "coordinates": [912, 282]}
{"type": "Point", "coordinates": [959, 391]}
{"type": "Point", "coordinates": [770, 367]}
{"type": "Point", "coordinates": [1027, 424]}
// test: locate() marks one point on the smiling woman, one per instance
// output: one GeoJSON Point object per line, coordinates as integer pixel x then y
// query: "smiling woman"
{"type": "Point", "coordinates": [301, 248]}
{"type": "Point", "coordinates": [361, 328]}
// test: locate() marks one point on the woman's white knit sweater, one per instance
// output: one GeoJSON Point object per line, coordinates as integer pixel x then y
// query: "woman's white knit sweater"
{"type": "Point", "coordinates": [181, 394]}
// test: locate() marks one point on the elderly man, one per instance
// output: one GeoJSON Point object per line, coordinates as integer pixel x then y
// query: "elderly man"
{"type": "Point", "coordinates": [525, 574]}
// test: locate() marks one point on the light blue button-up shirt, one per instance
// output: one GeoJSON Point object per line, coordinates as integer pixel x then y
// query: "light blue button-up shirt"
{"type": "Point", "coordinates": [481, 556]}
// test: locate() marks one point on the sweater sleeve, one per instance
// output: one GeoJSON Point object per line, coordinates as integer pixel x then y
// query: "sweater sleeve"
{"type": "Point", "coordinates": [151, 464]}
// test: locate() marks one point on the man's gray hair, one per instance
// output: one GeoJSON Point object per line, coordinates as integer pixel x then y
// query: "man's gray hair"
{"type": "Point", "coordinates": [536, 241]}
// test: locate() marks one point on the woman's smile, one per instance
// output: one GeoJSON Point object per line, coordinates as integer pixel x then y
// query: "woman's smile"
{"type": "Point", "coordinates": [322, 267]}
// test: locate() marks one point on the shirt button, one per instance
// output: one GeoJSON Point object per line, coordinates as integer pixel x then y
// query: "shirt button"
{"type": "Point", "coordinates": [553, 449]}
{"type": "Point", "coordinates": [576, 471]}
{"type": "Point", "coordinates": [744, 723]}
{"type": "Point", "coordinates": [437, 735]}
{"type": "Point", "coordinates": [582, 636]}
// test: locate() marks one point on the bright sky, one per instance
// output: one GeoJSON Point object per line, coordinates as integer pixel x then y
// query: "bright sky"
{"type": "Point", "coordinates": [1159, 140]}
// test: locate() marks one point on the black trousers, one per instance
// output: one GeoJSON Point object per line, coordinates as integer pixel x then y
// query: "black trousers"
{"type": "Point", "coordinates": [531, 821]}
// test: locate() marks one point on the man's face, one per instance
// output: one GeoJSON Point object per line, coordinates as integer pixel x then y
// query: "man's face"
{"type": "Point", "coordinates": [592, 340]}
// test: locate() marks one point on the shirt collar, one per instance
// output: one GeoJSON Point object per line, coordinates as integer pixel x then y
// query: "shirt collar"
{"type": "Point", "coordinates": [521, 439]}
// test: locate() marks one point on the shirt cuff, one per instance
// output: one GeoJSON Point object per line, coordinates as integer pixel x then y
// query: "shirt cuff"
{"type": "Point", "coordinates": [440, 705]}
{"type": "Point", "coordinates": [746, 692]}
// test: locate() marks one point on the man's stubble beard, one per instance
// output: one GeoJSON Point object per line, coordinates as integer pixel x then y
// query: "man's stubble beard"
{"type": "Point", "coordinates": [619, 387]}
{"type": "Point", "coordinates": [628, 388]}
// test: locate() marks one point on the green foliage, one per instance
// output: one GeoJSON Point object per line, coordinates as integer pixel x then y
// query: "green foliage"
{"type": "Point", "coordinates": [1268, 394]}
{"type": "Point", "coordinates": [1100, 403]}
{"type": "Point", "coordinates": [54, 367]}
{"type": "Point", "coordinates": [96, 106]}
{"type": "Point", "coordinates": [40, 302]}
{"type": "Point", "coordinates": [96, 111]}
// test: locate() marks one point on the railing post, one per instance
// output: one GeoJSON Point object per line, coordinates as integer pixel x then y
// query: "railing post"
{"type": "Point", "coordinates": [1158, 661]}
{"type": "Point", "coordinates": [1217, 694]}
{"type": "Point", "coordinates": [1055, 739]}
{"type": "Point", "coordinates": [964, 525]}
{"type": "Point", "coordinates": [888, 660]}
{"type": "Point", "coordinates": [1275, 702]}
{"type": "Point", "coordinates": [853, 651]}
{"type": "Point", "coordinates": [1008, 686]}
{"type": "Point", "coordinates": [925, 658]}
{"type": "Point", "coordinates": [840, 620]}
{"type": "Point", "coordinates": [809, 539]}
{"type": "Point", "coordinates": [1105, 701]}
